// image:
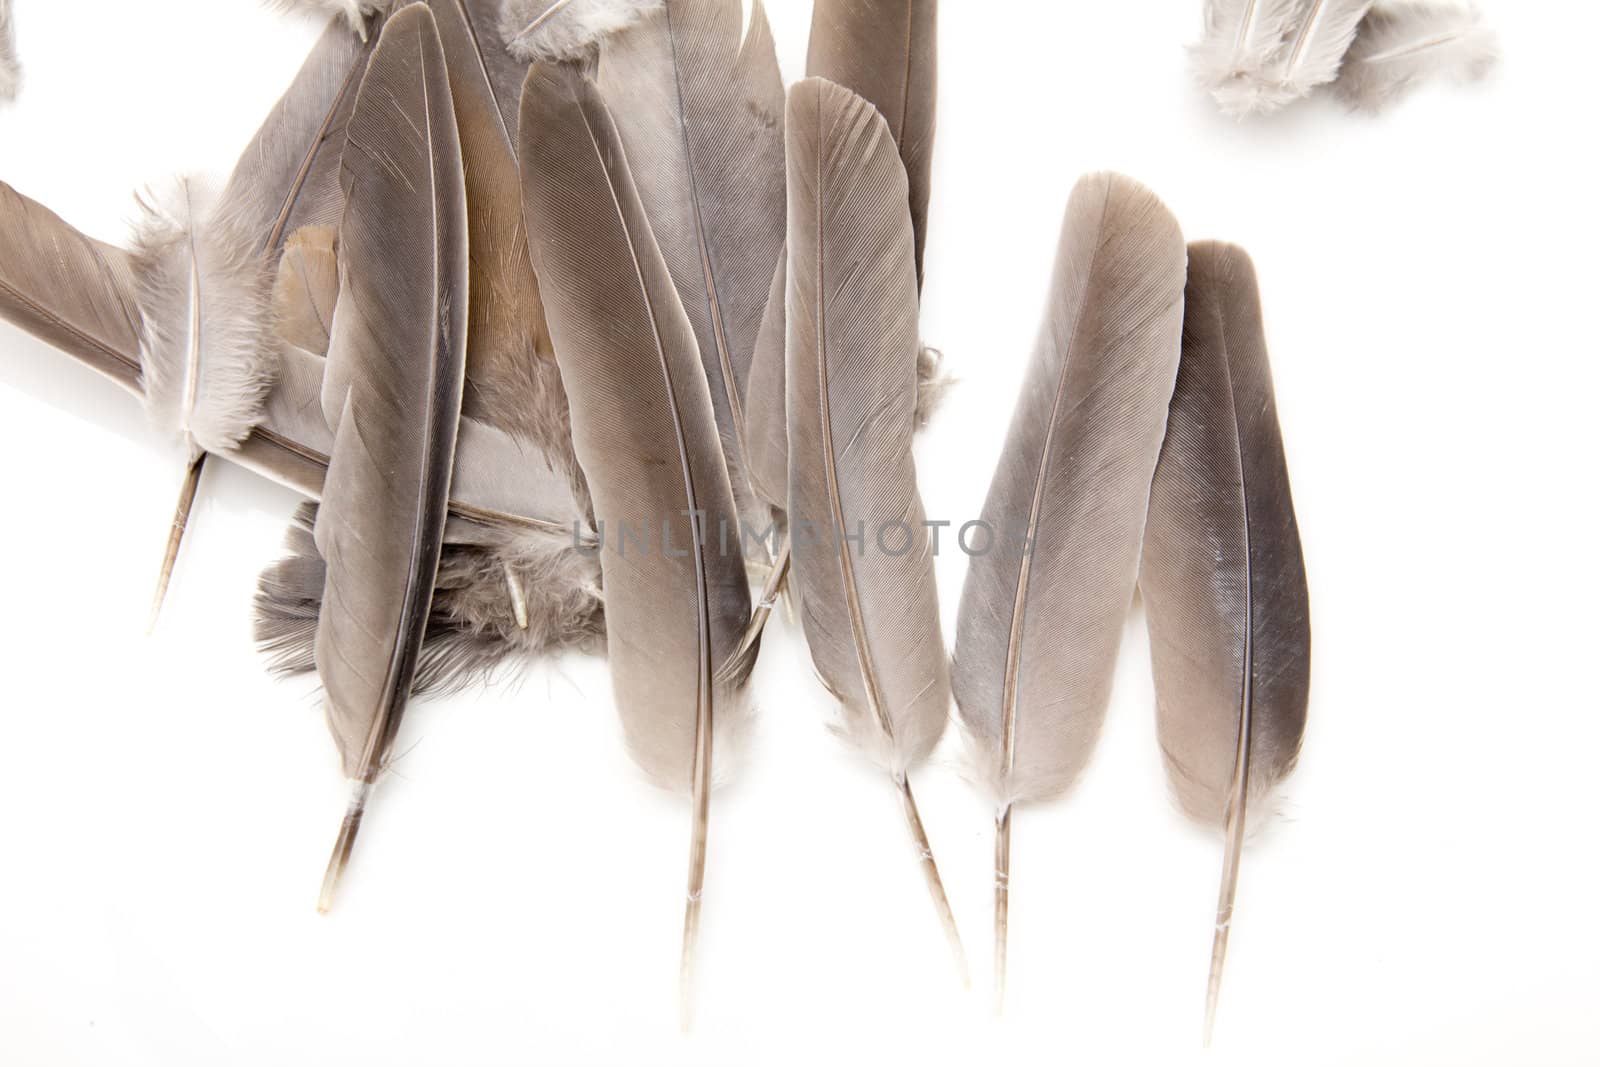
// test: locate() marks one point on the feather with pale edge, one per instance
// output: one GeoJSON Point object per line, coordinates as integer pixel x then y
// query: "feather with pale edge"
{"type": "Point", "coordinates": [545, 31]}
{"type": "Point", "coordinates": [1401, 45]}
{"type": "Point", "coordinates": [870, 610]}
{"type": "Point", "coordinates": [644, 429]}
{"type": "Point", "coordinates": [1042, 612]}
{"type": "Point", "coordinates": [396, 366]}
{"type": "Point", "coordinates": [888, 52]}
{"type": "Point", "coordinates": [10, 66]}
{"type": "Point", "coordinates": [1244, 42]}
{"type": "Point", "coordinates": [1223, 579]}
{"type": "Point", "coordinates": [700, 110]}
{"type": "Point", "coordinates": [68, 289]}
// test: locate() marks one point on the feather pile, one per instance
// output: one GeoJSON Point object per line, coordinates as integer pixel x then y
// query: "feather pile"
{"type": "Point", "coordinates": [547, 306]}
{"type": "Point", "coordinates": [1257, 56]}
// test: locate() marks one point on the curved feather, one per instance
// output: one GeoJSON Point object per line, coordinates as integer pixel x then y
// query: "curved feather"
{"type": "Point", "coordinates": [888, 52]}
{"type": "Point", "coordinates": [643, 427]}
{"type": "Point", "coordinates": [700, 111]}
{"type": "Point", "coordinates": [1400, 45]}
{"type": "Point", "coordinates": [68, 290]}
{"type": "Point", "coordinates": [1223, 578]}
{"type": "Point", "coordinates": [1042, 613]}
{"type": "Point", "coordinates": [871, 612]}
{"type": "Point", "coordinates": [394, 384]}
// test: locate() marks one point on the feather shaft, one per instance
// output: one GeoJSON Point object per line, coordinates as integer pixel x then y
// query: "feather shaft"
{"type": "Point", "coordinates": [180, 523]}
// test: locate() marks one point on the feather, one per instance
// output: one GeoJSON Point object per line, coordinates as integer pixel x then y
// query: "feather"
{"type": "Point", "coordinates": [69, 290]}
{"type": "Point", "coordinates": [871, 613]}
{"type": "Point", "coordinates": [10, 67]}
{"type": "Point", "coordinates": [513, 381]}
{"type": "Point", "coordinates": [546, 31]}
{"type": "Point", "coordinates": [306, 288]}
{"type": "Point", "coordinates": [887, 51]}
{"type": "Point", "coordinates": [354, 12]}
{"type": "Point", "coordinates": [766, 409]}
{"type": "Point", "coordinates": [645, 432]}
{"type": "Point", "coordinates": [470, 629]}
{"type": "Point", "coordinates": [1400, 45]}
{"type": "Point", "coordinates": [700, 111]}
{"type": "Point", "coordinates": [1223, 580]}
{"type": "Point", "coordinates": [1042, 613]}
{"type": "Point", "coordinates": [1244, 42]}
{"type": "Point", "coordinates": [209, 357]}
{"type": "Point", "coordinates": [396, 367]}
{"type": "Point", "coordinates": [1327, 28]}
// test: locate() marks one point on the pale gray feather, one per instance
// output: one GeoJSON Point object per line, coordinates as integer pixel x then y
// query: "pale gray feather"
{"type": "Point", "coordinates": [306, 288]}
{"type": "Point", "coordinates": [1401, 45]}
{"type": "Point", "coordinates": [1327, 27]}
{"type": "Point", "coordinates": [354, 12]}
{"type": "Point", "coordinates": [1042, 613]}
{"type": "Point", "coordinates": [1243, 45]}
{"type": "Point", "coordinates": [700, 110]}
{"type": "Point", "coordinates": [677, 604]}
{"type": "Point", "coordinates": [69, 290]}
{"type": "Point", "coordinates": [10, 66]}
{"type": "Point", "coordinates": [1223, 579]}
{"type": "Point", "coordinates": [871, 614]}
{"type": "Point", "coordinates": [395, 375]}
{"type": "Point", "coordinates": [888, 52]}
{"type": "Point", "coordinates": [556, 30]}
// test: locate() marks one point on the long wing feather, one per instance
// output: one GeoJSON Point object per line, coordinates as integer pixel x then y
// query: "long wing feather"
{"type": "Point", "coordinates": [1401, 45]}
{"type": "Point", "coordinates": [396, 368]}
{"type": "Point", "coordinates": [700, 111]}
{"type": "Point", "coordinates": [887, 51]}
{"type": "Point", "coordinates": [643, 425]}
{"type": "Point", "coordinates": [1223, 578]}
{"type": "Point", "coordinates": [68, 290]}
{"type": "Point", "coordinates": [870, 606]}
{"type": "Point", "coordinates": [1042, 611]}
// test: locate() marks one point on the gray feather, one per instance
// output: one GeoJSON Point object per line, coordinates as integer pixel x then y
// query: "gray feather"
{"type": "Point", "coordinates": [1401, 45]}
{"type": "Point", "coordinates": [393, 387]}
{"type": "Point", "coordinates": [700, 111]}
{"type": "Point", "coordinates": [10, 66]}
{"type": "Point", "coordinates": [1042, 613]}
{"type": "Point", "coordinates": [1244, 44]}
{"type": "Point", "coordinates": [558, 30]}
{"type": "Point", "coordinates": [643, 428]}
{"type": "Point", "coordinates": [354, 12]}
{"type": "Point", "coordinates": [1223, 579]}
{"type": "Point", "coordinates": [1327, 27]}
{"type": "Point", "coordinates": [68, 290]}
{"type": "Point", "coordinates": [871, 615]}
{"type": "Point", "coordinates": [887, 51]}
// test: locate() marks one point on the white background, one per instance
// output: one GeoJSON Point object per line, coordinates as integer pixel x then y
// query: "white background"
{"type": "Point", "coordinates": [1428, 896]}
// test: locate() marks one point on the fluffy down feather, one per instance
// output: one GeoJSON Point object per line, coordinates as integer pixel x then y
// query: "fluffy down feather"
{"type": "Point", "coordinates": [10, 69]}
{"type": "Point", "coordinates": [354, 11]}
{"type": "Point", "coordinates": [472, 627]}
{"type": "Point", "coordinates": [553, 30]}
{"type": "Point", "coordinates": [1244, 41]}
{"type": "Point", "coordinates": [209, 357]}
{"type": "Point", "coordinates": [1400, 45]}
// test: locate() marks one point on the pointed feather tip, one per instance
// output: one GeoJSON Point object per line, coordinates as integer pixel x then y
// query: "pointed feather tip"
{"type": "Point", "coordinates": [550, 31]}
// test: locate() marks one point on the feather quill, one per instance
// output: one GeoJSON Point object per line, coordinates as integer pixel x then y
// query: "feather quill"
{"type": "Point", "coordinates": [1245, 41]}
{"type": "Point", "coordinates": [1401, 45]}
{"type": "Point", "coordinates": [887, 51]}
{"type": "Point", "coordinates": [1223, 579]}
{"type": "Point", "coordinates": [1042, 613]}
{"type": "Point", "coordinates": [645, 432]}
{"type": "Point", "coordinates": [553, 31]}
{"type": "Point", "coordinates": [870, 611]}
{"type": "Point", "coordinates": [10, 67]}
{"type": "Point", "coordinates": [69, 290]}
{"type": "Point", "coordinates": [700, 110]}
{"type": "Point", "coordinates": [393, 389]}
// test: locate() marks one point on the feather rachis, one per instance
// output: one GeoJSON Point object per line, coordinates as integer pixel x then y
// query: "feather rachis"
{"type": "Point", "coordinates": [209, 356]}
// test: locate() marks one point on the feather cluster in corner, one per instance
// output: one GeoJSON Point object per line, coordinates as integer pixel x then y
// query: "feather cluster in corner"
{"type": "Point", "coordinates": [1257, 56]}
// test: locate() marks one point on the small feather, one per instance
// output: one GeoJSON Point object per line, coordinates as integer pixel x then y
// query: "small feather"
{"type": "Point", "coordinates": [1243, 44]}
{"type": "Point", "coordinates": [556, 30]}
{"type": "Point", "coordinates": [209, 356]}
{"type": "Point", "coordinates": [1327, 28]}
{"type": "Point", "coordinates": [10, 67]}
{"type": "Point", "coordinates": [1402, 45]}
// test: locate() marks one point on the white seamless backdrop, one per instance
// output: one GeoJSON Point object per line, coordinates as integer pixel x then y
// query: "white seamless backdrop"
{"type": "Point", "coordinates": [1427, 896]}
